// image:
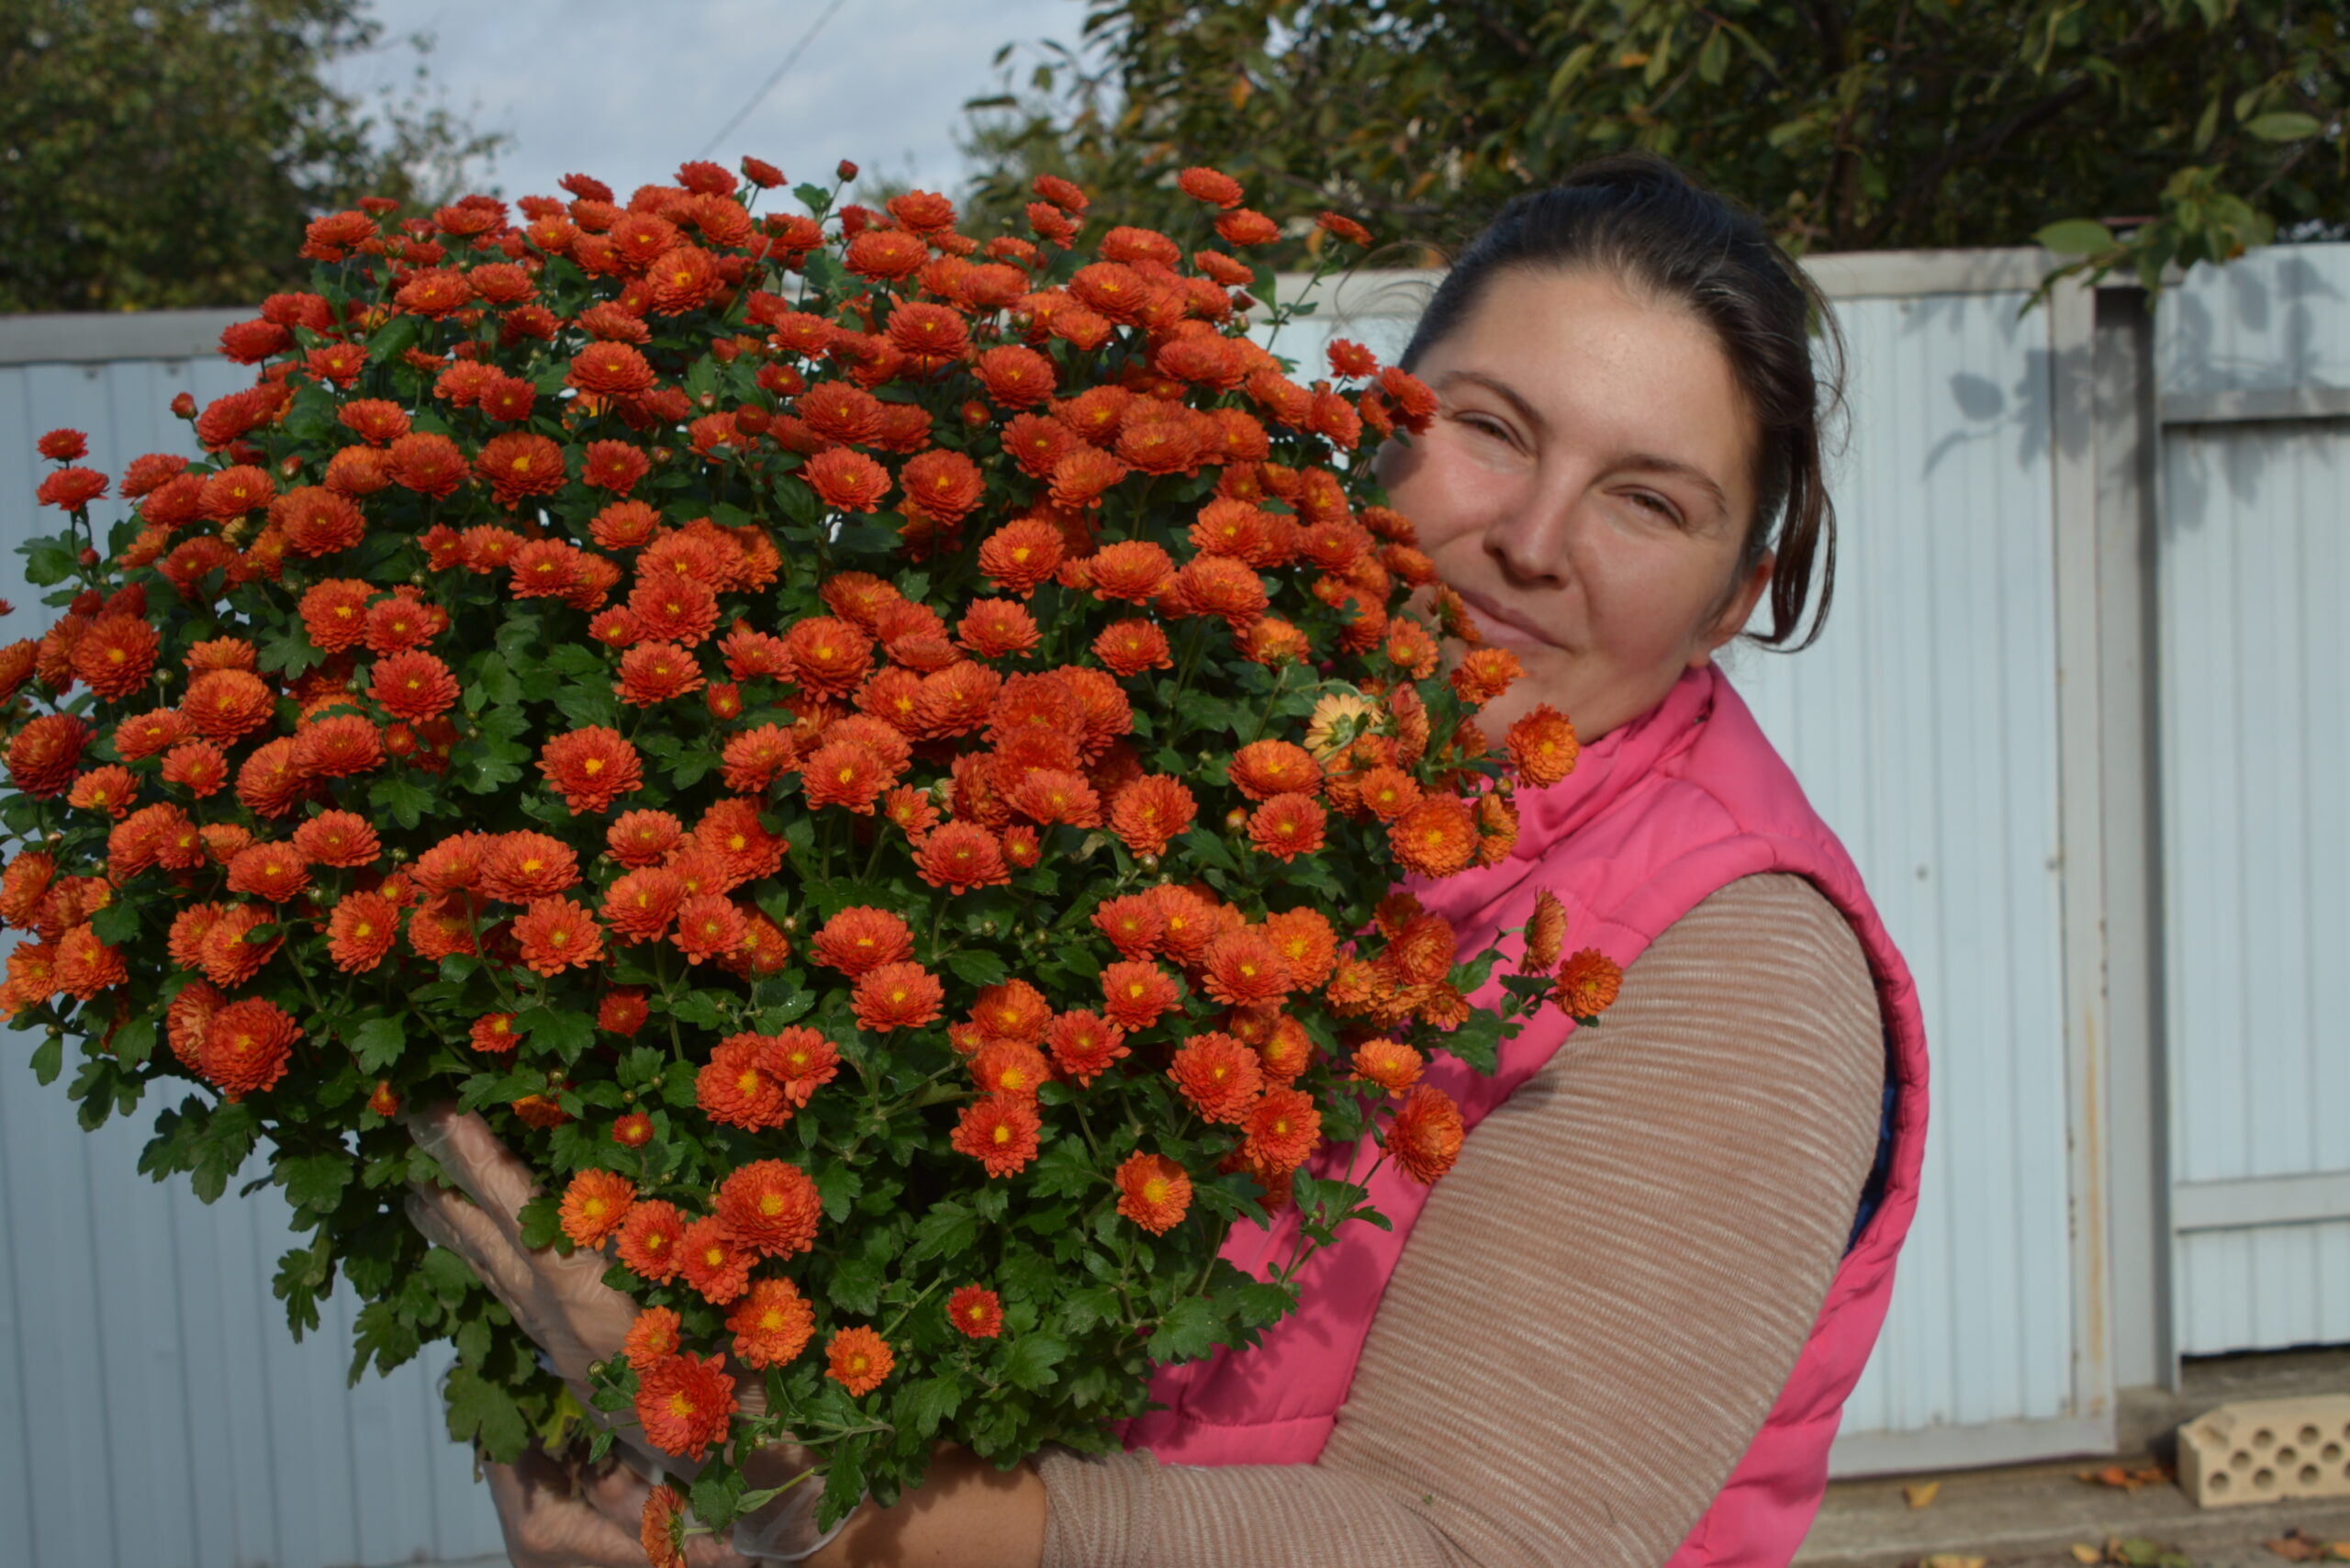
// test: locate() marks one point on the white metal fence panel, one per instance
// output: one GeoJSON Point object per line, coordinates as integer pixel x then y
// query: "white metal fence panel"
{"type": "Point", "coordinates": [1923, 726]}
{"type": "Point", "coordinates": [2252, 568]}
{"type": "Point", "coordinates": [154, 1411]}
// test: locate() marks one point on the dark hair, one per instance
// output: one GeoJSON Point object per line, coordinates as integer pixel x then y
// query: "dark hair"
{"type": "Point", "coordinates": [1636, 216]}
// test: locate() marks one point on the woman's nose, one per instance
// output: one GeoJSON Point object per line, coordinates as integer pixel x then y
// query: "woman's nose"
{"type": "Point", "coordinates": [1531, 536]}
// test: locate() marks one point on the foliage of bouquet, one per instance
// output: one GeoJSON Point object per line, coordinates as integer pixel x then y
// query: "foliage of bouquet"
{"type": "Point", "coordinates": [876, 758]}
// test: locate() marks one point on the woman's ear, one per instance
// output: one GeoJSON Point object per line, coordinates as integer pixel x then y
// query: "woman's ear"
{"type": "Point", "coordinates": [1736, 610]}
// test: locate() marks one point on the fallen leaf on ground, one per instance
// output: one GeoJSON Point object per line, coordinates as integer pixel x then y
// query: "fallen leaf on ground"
{"type": "Point", "coordinates": [1921, 1492]}
{"type": "Point", "coordinates": [1952, 1559]}
{"type": "Point", "coordinates": [2296, 1547]}
{"type": "Point", "coordinates": [2127, 1480]}
{"type": "Point", "coordinates": [2137, 1551]}
{"type": "Point", "coordinates": [2086, 1554]}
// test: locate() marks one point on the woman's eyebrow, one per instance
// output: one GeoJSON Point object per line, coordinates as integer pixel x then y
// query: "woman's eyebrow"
{"type": "Point", "coordinates": [1499, 388]}
{"type": "Point", "coordinates": [1651, 462]}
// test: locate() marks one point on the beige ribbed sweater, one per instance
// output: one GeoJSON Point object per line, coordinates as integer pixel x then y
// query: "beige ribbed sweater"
{"type": "Point", "coordinates": [1598, 1306]}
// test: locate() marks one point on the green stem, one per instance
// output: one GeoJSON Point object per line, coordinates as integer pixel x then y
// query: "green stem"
{"type": "Point", "coordinates": [909, 1307]}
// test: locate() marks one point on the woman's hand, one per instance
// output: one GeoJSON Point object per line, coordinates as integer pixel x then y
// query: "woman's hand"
{"type": "Point", "coordinates": [561, 1302]}
{"type": "Point", "coordinates": [554, 1519]}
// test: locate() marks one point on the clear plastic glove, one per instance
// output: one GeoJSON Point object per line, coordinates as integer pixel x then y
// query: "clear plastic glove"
{"type": "Point", "coordinates": [554, 1519]}
{"type": "Point", "coordinates": [561, 1302]}
{"type": "Point", "coordinates": [564, 1306]}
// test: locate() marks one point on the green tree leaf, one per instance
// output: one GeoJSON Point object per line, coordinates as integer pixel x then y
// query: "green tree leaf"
{"type": "Point", "coordinates": [2283, 125]}
{"type": "Point", "coordinates": [378, 1042]}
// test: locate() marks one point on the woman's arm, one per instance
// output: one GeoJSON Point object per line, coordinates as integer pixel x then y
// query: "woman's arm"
{"type": "Point", "coordinates": [1600, 1302]}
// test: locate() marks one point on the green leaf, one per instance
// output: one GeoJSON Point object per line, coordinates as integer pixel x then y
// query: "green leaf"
{"type": "Point", "coordinates": [49, 561]}
{"type": "Point", "coordinates": [1209, 849]}
{"type": "Point", "coordinates": [1186, 1333]}
{"type": "Point", "coordinates": [480, 1411]}
{"type": "Point", "coordinates": [48, 1059]}
{"type": "Point", "coordinates": [839, 1183]}
{"type": "Point", "coordinates": [566, 1031]}
{"type": "Point", "coordinates": [977, 966]}
{"type": "Point", "coordinates": [715, 1496]}
{"type": "Point", "coordinates": [118, 923]}
{"type": "Point", "coordinates": [314, 1181]}
{"type": "Point", "coordinates": [855, 1286]}
{"type": "Point", "coordinates": [404, 798]}
{"type": "Point", "coordinates": [948, 1230]}
{"type": "Point", "coordinates": [922, 1406]}
{"type": "Point", "coordinates": [2283, 125]}
{"type": "Point", "coordinates": [2075, 237]}
{"type": "Point", "coordinates": [1030, 1362]}
{"type": "Point", "coordinates": [1064, 1170]}
{"type": "Point", "coordinates": [378, 1042]}
{"type": "Point", "coordinates": [542, 1221]}
{"type": "Point", "coordinates": [135, 1042]}
{"type": "Point", "coordinates": [290, 652]}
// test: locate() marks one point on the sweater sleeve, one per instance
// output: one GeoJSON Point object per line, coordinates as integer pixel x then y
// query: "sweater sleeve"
{"type": "Point", "coordinates": [1599, 1303]}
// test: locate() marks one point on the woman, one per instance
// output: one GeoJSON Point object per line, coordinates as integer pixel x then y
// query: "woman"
{"type": "Point", "coordinates": [1623, 1328]}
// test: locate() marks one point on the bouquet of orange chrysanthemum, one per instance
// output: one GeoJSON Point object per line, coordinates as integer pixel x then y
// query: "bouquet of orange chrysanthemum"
{"type": "Point", "coordinates": [878, 758]}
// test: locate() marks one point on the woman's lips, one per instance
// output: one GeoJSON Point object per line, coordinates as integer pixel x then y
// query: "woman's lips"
{"type": "Point", "coordinates": [1504, 628]}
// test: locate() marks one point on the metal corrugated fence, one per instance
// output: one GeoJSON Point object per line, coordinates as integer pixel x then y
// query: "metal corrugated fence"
{"type": "Point", "coordinates": [154, 1410]}
{"type": "Point", "coordinates": [2253, 576]}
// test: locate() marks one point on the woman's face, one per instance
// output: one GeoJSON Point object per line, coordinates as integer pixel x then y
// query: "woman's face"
{"type": "Point", "coordinates": [1586, 487]}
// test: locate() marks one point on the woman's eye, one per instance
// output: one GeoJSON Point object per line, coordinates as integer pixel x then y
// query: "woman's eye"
{"type": "Point", "coordinates": [1656, 504]}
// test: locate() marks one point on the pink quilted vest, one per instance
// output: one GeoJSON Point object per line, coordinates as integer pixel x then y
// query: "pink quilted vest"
{"type": "Point", "coordinates": [1656, 817]}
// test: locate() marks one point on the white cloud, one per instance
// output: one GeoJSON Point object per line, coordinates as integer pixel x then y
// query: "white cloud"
{"type": "Point", "coordinates": [626, 90]}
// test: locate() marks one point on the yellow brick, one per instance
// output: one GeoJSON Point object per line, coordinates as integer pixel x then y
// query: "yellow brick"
{"type": "Point", "coordinates": [2266, 1451]}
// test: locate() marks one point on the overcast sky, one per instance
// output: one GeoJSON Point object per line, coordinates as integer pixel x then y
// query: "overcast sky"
{"type": "Point", "coordinates": [627, 89]}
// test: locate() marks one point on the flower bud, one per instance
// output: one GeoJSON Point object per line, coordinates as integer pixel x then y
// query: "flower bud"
{"type": "Point", "coordinates": [383, 1102]}
{"type": "Point", "coordinates": [183, 406]}
{"type": "Point", "coordinates": [847, 170]}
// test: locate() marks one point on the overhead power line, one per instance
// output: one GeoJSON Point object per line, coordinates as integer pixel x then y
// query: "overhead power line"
{"type": "Point", "coordinates": [767, 86]}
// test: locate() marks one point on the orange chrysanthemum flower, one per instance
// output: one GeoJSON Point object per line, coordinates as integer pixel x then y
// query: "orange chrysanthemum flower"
{"type": "Point", "coordinates": [224, 705]}
{"type": "Point", "coordinates": [827, 654]}
{"type": "Point", "coordinates": [1283, 1130]}
{"type": "Point", "coordinates": [769, 1208]}
{"type": "Point", "coordinates": [643, 838]}
{"type": "Point", "coordinates": [1010, 1067]}
{"type": "Point", "coordinates": [1543, 747]}
{"type": "Point", "coordinates": [996, 628]}
{"type": "Point", "coordinates": [652, 1240]}
{"type": "Point", "coordinates": [897, 996]}
{"type": "Point", "coordinates": [801, 1059]}
{"type": "Point", "coordinates": [709, 926]}
{"type": "Point", "coordinates": [1546, 934]}
{"type": "Point", "coordinates": [360, 932]}
{"type": "Point", "coordinates": [861, 938]}
{"type": "Point", "coordinates": [1390, 1064]}
{"type": "Point", "coordinates": [1218, 1075]}
{"type": "Point", "coordinates": [661, 1529]}
{"type": "Point", "coordinates": [413, 686]}
{"type": "Point", "coordinates": [1287, 826]}
{"type": "Point", "coordinates": [247, 1046]}
{"type": "Point", "coordinates": [1436, 837]}
{"type": "Point", "coordinates": [960, 856]}
{"type": "Point", "coordinates": [1132, 921]}
{"type": "Point", "coordinates": [1588, 983]}
{"type": "Point", "coordinates": [713, 1263]}
{"type": "Point", "coordinates": [656, 672]}
{"type": "Point", "coordinates": [1425, 1137]}
{"type": "Point", "coordinates": [772, 1324]}
{"type": "Point", "coordinates": [1484, 674]}
{"type": "Point", "coordinates": [859, 1360]}
{"type": "Point", "coordinates": [733, 1090]}
{"type": "Point", "coordinates": [276, 872]}
{"type": "Point", "coordinates": [655, 1336]}
{"type": "Point", "coordinates": [595, 1204]}
{"type": "Point", "coordinates": [1000, 1132]}
{"type": "Point", "coordinates": [1084, 1044]}
{"type": "Point", "coordinates": [1154, 1192]}
{"type": "Point", "coordinates": [591, 768]}
{"type": "Point", "coordinates": [976, 1311]}
{"type": "Point", "coordinates": [1135, 994]}
{"type": "Point", "coordinates": [1244, 968]}
{"type": "Point", "coordinates": [1307, 943]}
{"type": "Point", "coordinates": [337, 838]}
{"type": "Point", "coordinates": [847, 479]}
{"type": "Point", "coordinates": [558, 934]}
{"type": "Point", "coordinates": [685, 1404]}
{"type": "Point", "coordinates": [521, 866]}
{"type": "Point", "coordinates": [1149, 812]}
{"type": "Point", "coordinates": [1021, 555]}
